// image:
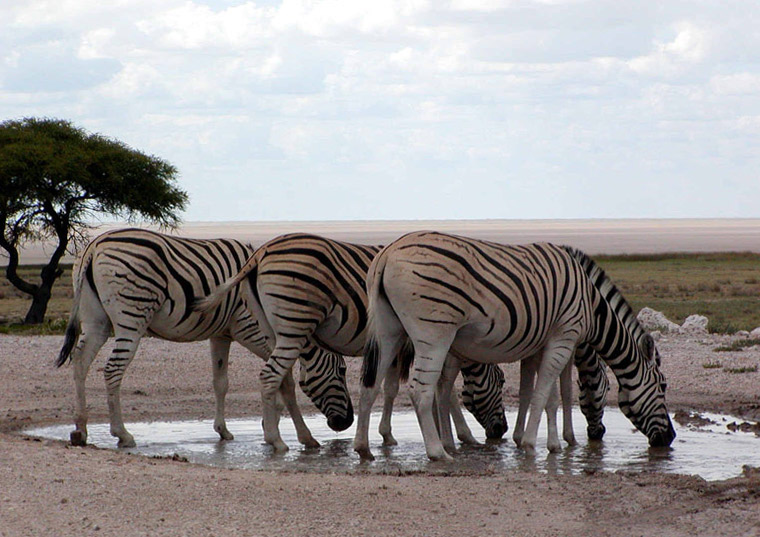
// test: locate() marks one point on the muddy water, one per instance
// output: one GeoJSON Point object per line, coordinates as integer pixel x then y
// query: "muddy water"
{"type": "Point", "coordinates": [710, 450]}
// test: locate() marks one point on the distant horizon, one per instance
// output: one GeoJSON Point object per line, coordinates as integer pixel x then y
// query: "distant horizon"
{"type": "Point", "coordinates": [593, 235]}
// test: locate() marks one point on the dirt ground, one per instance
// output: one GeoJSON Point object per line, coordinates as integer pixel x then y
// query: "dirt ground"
{"type": "Point", "coordinates": [50, 488]}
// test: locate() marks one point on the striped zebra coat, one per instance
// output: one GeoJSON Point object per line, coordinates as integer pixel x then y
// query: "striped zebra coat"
{"type": "Point", "coordinates": [138, 282]}
{"type": "Point", "coordinates": [307, 289]}
{"type": "Point", "coordinates": [496, 303]}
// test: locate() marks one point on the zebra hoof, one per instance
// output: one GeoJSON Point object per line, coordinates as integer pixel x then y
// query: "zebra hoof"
{"type": "Point", "coordinates": [389, 441]}
{"type": "Point", "coordinates": [365, 454]}
{"type": "Point", "coordinates": [443, 456]}
{"type": "Point", "coordinates": [225, 434]}
{"type": "Point", "coordinates": [311, 443]}
{"type": "Point", "coordinates": [78, 438]}
{"type": "Point", "coordinates": [127, 443]}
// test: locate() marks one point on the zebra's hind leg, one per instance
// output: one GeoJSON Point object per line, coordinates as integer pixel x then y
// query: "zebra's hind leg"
{"type": "Point", "coordinates": [220, 353]}
{"type": "Point", "coordinates": [125, 346]}
{"type": "Point", "coordinates": [94, 335]}
{"type": "Point", "coordinates": [528, 368]}
{"type": "Point", "coordinates": [390, 391]}
{"type": "Point", "coordinates": [279, 364]}
{"type": "Point", "coordinates": [566, 392]}
{"type": "Point", "coordinates": [444, 400]}
{"type": "Point", "coordinates": [428, 364]}
{"type": "Point", "coordinates": [556, 354]}
{"type": "Point", "coordinates": [288, 393]}
{"type": "Point", "coordinates": [552, 432]}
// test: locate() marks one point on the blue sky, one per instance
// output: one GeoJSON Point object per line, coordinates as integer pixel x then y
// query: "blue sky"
{"type": "Point", "coordinates": [338, 110]}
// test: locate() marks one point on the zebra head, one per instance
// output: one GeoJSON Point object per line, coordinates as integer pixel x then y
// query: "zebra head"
{"type": "Point", "coordinates": [641, 397]}
{"type": "Point", "coordinates": [482, 396]}
{"type": "Point", "coordinates": [323, 380]}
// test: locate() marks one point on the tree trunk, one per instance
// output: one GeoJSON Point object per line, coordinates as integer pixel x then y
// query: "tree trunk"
{"type": "Point", "coordinates": [37, 310]}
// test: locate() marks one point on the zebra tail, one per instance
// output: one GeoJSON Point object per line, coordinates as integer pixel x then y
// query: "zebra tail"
{"type": "Point", "coordinates": [71, 336]}
{"type": "Point", "coordinates": [216, 296]}
{"type": "Point", "coordinates": [406, 358]}
{"type": "Point", "coordinates": [372, 347]}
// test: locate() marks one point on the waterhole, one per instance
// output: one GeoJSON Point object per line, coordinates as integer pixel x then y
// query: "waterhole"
{"type": "Point", "coordinates": [708, 445]}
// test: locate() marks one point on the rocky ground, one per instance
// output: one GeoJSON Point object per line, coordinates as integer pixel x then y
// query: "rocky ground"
{"type": "Point", "coordinates": [50, 488]}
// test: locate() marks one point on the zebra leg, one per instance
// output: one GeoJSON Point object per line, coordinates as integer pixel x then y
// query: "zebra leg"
{"type": "Point", "coordinates": [528, 369]}
{"type": "Point", "coordinates": [279, 365]}
{"type": "Point", "coordinates": [428, 364]}
{"type": "Point", "coordinates": [443, 398]}
{"type": "Point", "coordinates": [288, 392]}
{"type": "Point", "coordinates": [566, 391]}
{"type": "Point", "coordinates": [126, 342]}
{"type": "Point", "coordinates": [464, 434]}
{"type": "Point", "coordinates": [556, 354]}
{"type": "Point", "coordinates": [552, 432]}
{"type": "Point", "coordinates": [390, 391]}
{"type": "Point", "coordinates": [92, 339]}
{"type": "Point", "coordinates": [220, 353]}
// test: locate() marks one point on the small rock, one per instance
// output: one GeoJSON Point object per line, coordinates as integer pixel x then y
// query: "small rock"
{"type": "Point", "coordinates": [656, 320]}
{"type": "Point", "coordinates": [742, 333]}
{"type": "Point", "coordinates": [755, 332]}
{"type": "Point", "coordinates": [695, 324]}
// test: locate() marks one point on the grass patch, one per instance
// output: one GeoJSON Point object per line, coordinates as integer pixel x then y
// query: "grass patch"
{"type": "Point", "coordinates": [724, 287]}
{"type": "Point", "coordinates": [52, 327]}
{"type": "Point", "coordinates": [738, 345]}
{"type": "Point", "coordinates": [738, 370]}
{"type": "Point", "coordinates": [712, 365]}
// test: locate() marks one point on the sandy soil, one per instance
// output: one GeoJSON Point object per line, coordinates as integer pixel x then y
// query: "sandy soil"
{"type": "Point", "coordinates": [49, 488]}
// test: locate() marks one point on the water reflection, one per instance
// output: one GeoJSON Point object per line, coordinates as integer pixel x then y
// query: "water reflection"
{"type": "Point", "coordinates": [711, 451]}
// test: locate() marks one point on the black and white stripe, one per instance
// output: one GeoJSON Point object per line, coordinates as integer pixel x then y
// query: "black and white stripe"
{"type": "Point", "coordinates": [137, 282]}
{"type": "Point", "coordinates": [495, 303]}
{"type": "Point", "coordinates": [311, 290]}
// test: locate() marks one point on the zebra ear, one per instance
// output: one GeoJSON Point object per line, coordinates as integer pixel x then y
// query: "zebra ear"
{"type": "Point", "coordinates": [648, 347]}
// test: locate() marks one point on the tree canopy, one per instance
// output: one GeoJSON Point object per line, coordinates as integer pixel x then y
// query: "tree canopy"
{"type": "Point", "coordinates": [55, 178]}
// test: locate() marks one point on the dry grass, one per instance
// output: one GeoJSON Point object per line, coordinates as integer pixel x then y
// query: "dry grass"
{"type": "Point", "coordinates": [724, 287]}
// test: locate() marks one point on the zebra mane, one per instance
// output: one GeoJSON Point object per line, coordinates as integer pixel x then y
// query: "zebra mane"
{"type": "Point", "coordinates": [608, 290]}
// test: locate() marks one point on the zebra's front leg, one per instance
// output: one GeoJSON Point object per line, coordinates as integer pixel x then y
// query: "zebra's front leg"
{"type": "Point", "coordinates": [279, 364]}
{"type": "Point", "coordinates": [90, 342]}
{"type": "Point", "coordinates": [125, 346]}
{"type": "Point", "coordinates": [390, 391]}
{"type": "Point", "coordinates": [555, 356]}
{"type": "Point", "coordinates": [464, 433]}
{"type": "Point", "coordinates": [220, 353]}
{"type": "Point", "coordinates": [288, 392]}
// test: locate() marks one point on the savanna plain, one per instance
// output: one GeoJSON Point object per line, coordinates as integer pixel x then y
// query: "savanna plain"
{"type": "Point", "coordinates": [50, 488]}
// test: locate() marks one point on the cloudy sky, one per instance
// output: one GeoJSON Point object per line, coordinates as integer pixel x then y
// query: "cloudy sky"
{"type": "Point", "coordinates": [334, 110]}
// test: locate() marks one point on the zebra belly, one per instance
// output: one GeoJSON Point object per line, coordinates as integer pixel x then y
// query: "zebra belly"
{"type": "Point", "coordinates": [330, 336]}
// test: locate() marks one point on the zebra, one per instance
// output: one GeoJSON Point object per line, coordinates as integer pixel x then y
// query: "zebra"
{"type": "Point", "coordinates": [495, 303]}
{"type": "Point", "coordinates": [138, 282]}
{"type": "Point", "coordinates": [308, 289]}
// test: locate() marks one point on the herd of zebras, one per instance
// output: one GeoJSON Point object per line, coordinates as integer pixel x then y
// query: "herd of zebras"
{"type": "Point", "coordinates": [425, 307]}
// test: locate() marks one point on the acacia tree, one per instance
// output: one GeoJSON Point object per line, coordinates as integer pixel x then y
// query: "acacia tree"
{"type": "Point", "coordinates": [55, 178]}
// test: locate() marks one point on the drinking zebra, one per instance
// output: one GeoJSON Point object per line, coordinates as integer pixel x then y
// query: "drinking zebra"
{"type": "Point", "coordinates": [137, 282]}
{"type": "Point", "coordinates": [307, 289]}
{"type": "Point", "coordinates": [497, 303]}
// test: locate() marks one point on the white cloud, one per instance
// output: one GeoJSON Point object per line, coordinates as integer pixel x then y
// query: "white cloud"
{"type": "Point", "coordinates": [736, 84]}
{"type": "Point", "coordinates": [482, 106]}
{"type": "Point", "coordinates": [689, 47]}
